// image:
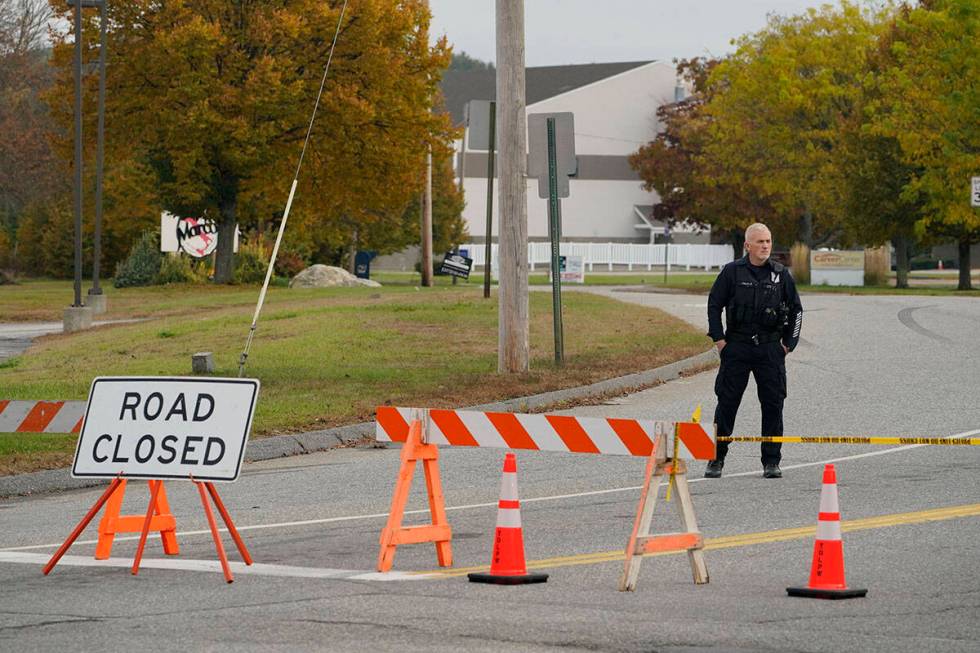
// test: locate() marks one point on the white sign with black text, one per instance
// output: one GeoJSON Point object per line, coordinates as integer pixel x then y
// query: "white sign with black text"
{"type": "Point", "coordinates": [975, 192]}
{"type": "Point", "coordinates": [166, 427]}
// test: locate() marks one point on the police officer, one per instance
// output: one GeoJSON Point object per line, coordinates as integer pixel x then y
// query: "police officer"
{"type": "Point", "coordinates": [763, 316]}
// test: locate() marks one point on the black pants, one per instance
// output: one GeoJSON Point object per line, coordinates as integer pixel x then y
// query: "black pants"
{"type": "Point", "coordinates": [767, 362]}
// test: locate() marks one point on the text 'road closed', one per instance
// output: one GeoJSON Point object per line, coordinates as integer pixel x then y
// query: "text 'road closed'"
{"type": "Point", "coordinates": [154, 427]}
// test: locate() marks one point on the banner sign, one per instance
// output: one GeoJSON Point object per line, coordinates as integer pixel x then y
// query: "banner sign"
{"type": "Point", "coordinates": [197, 237]}
{"type": "Point", "coordinates": [456, 265]}
{"type": "Point", "coordinates": [837, 260]}
{"type": "Point", "coordinates": [165, 427]}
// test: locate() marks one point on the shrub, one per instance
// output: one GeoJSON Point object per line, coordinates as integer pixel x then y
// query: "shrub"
{"type": "Point", "coordinates": [799, 255]}
{"type": "Point", "coordinates": [251, 263]}
{"type": "Point", "coordinates": [177, 269]}
{"type": "Point", "coordinates": [877, 264]}
{"type": "Point", "coordinates": [142, 265]}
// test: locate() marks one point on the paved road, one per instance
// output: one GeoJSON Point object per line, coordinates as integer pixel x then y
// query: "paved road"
{"type": "Point", "coordinates": [16, 337]}
{"type": "Point", "coordinates": [868, 365]}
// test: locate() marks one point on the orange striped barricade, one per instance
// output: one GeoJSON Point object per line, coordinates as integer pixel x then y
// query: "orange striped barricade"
{"type": "Point", "coordinates": [422, 430]}
{"type": "Point", "coordinates": [41, 416]}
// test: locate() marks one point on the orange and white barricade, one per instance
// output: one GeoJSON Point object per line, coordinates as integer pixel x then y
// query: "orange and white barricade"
{"type": "Point", "coordinates": [41, 416]}
{"type": "Point", "coordinates": [423, 429]}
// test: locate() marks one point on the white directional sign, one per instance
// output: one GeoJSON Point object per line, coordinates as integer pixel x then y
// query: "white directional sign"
{"type": "Point", "coordinates": [975, 192]}
{"type": "Point", "coordinates": [159, 427]}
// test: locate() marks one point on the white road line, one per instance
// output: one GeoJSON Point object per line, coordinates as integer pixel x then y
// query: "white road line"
{"type": "Point", "coordinates": [472, 506]}
{"type": "Point", "coordinates": [213, 566]}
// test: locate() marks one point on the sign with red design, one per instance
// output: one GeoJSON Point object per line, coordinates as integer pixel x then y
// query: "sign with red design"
{"type": "Point", "coordinates": [195, 236]}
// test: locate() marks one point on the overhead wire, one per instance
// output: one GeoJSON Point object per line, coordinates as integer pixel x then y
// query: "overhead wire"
{"type": "Point", "coordinates": [289, 202]}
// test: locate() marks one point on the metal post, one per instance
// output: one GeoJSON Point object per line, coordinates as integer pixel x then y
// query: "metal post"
{"type": "Point", "coordinates": [490, 152]}
{"type": "Point", "coordinates": [78, 153]}
{"type": "Point", "coordinates": [554, 228]}
{"type": "Point", "coordinates": [427, 222]}
{"type": "Point", "coordinates": [100, 149]}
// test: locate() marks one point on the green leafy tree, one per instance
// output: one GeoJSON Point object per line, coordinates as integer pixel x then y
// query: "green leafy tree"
{"type": "Point", "coordinates": [929, 102]}
{"type": "Point", "coordinates": [775, 109]}
{"type": "Point", "coordinates": [690, 185]}
{"type": "Point", "coordinates": [215, 97]}
{"type": "Point", "coordinates": [463, 61]}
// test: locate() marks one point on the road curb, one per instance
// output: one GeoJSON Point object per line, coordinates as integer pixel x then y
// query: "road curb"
{"type": "Point", "coordinates": [280, 446]}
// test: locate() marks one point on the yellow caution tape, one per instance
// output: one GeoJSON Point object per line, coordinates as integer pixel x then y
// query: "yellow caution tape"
{"type": "Point", "coordinates": [851, 440]}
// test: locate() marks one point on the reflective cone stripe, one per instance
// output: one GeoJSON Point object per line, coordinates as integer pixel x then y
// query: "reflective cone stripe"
{"type": "Point", "coordinates": [828, 520]}
{"type": "Point", "coordinates": [624, 437]}
{"type": "Point", "coordinates": [509, 506]}
{"type": "Point", "coordinates": [41, 416]}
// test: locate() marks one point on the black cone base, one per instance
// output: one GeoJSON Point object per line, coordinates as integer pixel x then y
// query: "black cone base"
{"type": "Point", "coordinates": [524, 579]}
{"type": "Point", "coordinates": [810, 593]}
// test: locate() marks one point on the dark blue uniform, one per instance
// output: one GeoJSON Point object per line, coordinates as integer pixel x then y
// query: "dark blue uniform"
{"type": "Point", "coordinates": [762, 313]}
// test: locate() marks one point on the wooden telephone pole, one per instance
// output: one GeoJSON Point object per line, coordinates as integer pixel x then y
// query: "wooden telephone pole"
{"type": "Point", "coordinates": [513, 335]}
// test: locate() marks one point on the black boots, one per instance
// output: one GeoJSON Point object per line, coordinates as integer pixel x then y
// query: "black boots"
{"type": "Point", "coordinates": [771, 471]}
{"type": "Point", "coordinates": [714, 469]}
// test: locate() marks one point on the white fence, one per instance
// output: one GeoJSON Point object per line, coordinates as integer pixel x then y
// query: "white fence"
{"type": "Point", "coordinates": [630, 255]}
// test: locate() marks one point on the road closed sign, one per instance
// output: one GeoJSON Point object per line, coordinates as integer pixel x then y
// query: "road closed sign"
{"type": "Point", "coordinates": [158, 427]}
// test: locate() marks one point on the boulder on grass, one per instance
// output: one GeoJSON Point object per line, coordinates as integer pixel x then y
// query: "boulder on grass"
{"type": "Point", "coordinates": [328, 276]}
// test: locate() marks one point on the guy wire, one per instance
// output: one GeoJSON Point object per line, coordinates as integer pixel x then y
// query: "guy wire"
{"type": "Point", "coordinates": [289, 201]}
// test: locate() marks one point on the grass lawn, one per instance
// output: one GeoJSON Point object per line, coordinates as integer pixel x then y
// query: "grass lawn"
{"type": "Point", "coordinates": [325, 356]}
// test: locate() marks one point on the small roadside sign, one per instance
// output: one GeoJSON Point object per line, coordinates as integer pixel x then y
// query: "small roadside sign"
{"type": "Point", "coordinates": [572, 269]}
{"type": "Point", "coordinates": [165, 427]}
{"type": "Point", "coordinates": [457, 265]}
{"type": "Point", "coordinates": [975, 194]}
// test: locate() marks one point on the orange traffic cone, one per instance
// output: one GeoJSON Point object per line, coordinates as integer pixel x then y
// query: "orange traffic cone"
{"type": "Point", "coordinates": [827, 570]}
{"type": "Point", "coordinates": [507, 566]}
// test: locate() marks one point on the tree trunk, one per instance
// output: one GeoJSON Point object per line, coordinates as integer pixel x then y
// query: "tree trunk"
{"type": "Point", "coordinates": [806, 229]}
{"type": "Point", "coordinates": [352, 253]}
{"type": "Point", "coordinates": [965, 283]}
{"type": "Point", "coordinates": [901, 245]}
{"type": "Point", "coordinates": [224, 260]}
{"type": "Point", "coordinates": [738, 242]}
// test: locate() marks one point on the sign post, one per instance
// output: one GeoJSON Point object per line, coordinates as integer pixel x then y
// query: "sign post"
{"type": "Point", "coordinates": [554, 230]}
{"type": "Point", "coordinates": [482, 119]}
{"type": "Point", "coordinates": [552, 160]}
{"type": "Point", "coordinates": [157, 428]}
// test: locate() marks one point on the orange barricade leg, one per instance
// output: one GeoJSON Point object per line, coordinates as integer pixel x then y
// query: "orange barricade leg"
{"type": "Point", "coordinates": [161, 520]}
{"type": "Point", "coordinates": [642, 542]}
{"type": "Point", "coordinates": [438, 531]}
{"type": "Point", "coordinates": [89, 516]}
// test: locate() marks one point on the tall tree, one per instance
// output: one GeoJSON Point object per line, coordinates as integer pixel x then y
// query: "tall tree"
{"type": "Point", "coordinates": [690, 186]}
{"type": "Point", "coordinates": [930, 106]}
{"type": "Point", "coordinates": [29, 171]}
{"type": "Point", "coordinates": [215, 96]}
{"type": "Point", "coordinates": [775, 108]}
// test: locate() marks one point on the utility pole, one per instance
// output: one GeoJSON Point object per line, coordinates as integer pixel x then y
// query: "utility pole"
{"type": "Point", "coordinates": [427, 210]}
{"type": "Point", "coordinates": [95, 297]}
{"type": "Point", "coordinates": [513, 331]}
{"type": "Point", "coordinates": [427, 222]}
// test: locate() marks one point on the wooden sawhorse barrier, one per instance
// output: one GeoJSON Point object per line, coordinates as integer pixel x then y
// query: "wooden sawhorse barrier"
{"type": "Point", "coordinates": [642, 542]}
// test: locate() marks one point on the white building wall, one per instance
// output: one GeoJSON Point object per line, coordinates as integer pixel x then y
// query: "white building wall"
{"type": "Point", "coordinates": [613, 117]}
{"type": "Point", "coordinates": [594, 210]}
